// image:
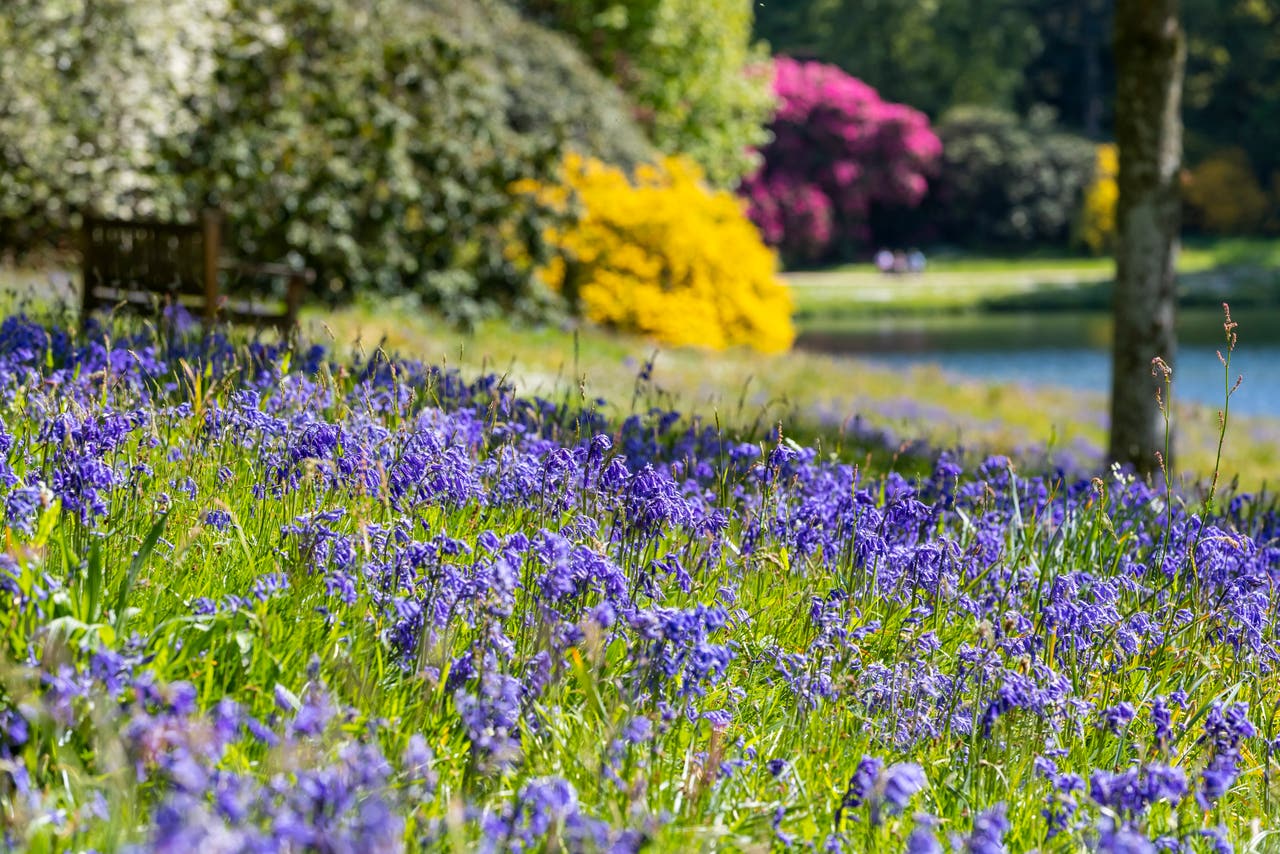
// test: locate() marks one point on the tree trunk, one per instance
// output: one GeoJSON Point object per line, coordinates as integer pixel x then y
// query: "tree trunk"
{"type": "Point", "coordinates": [1149, 54]}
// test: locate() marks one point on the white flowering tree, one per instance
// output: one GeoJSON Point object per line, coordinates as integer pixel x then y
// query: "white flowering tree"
{"type": "Point", "coordinates": [90, 91]}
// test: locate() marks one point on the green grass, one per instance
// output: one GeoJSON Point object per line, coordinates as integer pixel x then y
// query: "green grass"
{"type": "Point", "coordinates": [964, 263]}
{"type": "Point", "coordinates": [823, 297]}
{"type": "Point", "coordinates": [816, 396]}
{"type": "Point", "coordinates": [888, 641]}
{"type": "Point", "coordinates": [1243, 268]}
{"type": "Point", "coordinates": [1197, 253]}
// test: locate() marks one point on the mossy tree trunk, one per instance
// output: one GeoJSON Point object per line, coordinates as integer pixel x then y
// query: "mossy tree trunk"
{"type": "Point", "coordinates": [1150, 55]}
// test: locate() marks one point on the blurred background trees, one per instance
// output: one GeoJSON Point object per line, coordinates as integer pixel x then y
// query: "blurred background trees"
{"type": "Point", "coordinates": [379, 142]}
{"type": "Point", "coordinates": [1006, 180]}
{"type": "Point", "coordinates": [91, 96]}
{"type": "Point", "coordinates": [838, 154]}
{"type": "Point", "coordinates": [379, 149]}
{"type": "Point", "coordinates": [699, 83]}
{"type": "Point", "coordinates": [375, 142]}
{"type": "Point", "coordinates": [931, 54]}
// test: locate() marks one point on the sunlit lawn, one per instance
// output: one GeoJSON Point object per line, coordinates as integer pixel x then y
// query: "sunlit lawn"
{"type": "Point", "coordinates": [966, 283]}
{"type": "Point", "coordinates": [1196, 254]}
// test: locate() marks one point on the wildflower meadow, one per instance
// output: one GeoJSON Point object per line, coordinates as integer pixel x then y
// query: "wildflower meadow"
{"type": "Point", "coordinates": [266, 597]}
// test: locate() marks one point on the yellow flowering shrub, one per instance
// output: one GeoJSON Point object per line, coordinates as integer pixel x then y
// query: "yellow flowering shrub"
{"type": "Point", "coordinates": [665, 256]}
{"type": "Point", "coordinates": [1098, 218]}
{"type": "Point", "coordinates": [1224, 195]}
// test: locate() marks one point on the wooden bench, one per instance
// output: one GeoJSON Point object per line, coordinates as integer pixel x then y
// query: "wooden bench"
{"type": "Point", "coordinates": [147, 266]}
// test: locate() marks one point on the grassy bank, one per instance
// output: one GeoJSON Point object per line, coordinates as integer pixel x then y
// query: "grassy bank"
{"type": "Point", "coordinates": [846, 405]}
{"type": "Point", "coordinates": [1242, 270]}
{"type": "Point", "coordinates": [818, 398]}
{"type": "Point", "coordinates": [1197, 254]}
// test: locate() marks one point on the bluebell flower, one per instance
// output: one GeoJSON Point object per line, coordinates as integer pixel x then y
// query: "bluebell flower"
{"type": "Point", "coordinates": [901, 783]}
{"type": "Point", "coordinates": [1217, 837]}
{"type": "Point", "coordinates": [989, 828]}
{"type": "Point", "coordinates": [922, 839]}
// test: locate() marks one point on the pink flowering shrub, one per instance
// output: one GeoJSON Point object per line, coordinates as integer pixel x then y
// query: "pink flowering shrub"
{"type": "Point", "coordinates": [838, 153]}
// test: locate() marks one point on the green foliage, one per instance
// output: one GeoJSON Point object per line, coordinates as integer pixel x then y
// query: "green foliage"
{"type": "Point", "coordinates": [377, 148]}
{"type": "Point", "coordinates": [700, 86]}
{"type": "Point", "coordinates": [1232, 90]}
{"type": "Point", "coordinates": [87, 91]}
{"type": "Point", "coordinates": [610, 32]}
{"type": "Point", "coordinates": [1074, 70]}
{"type": "Point", "coordinates": [551, 86]}
{"type": "Point", "coordinates": [929, 54]}
{"type": "Point", "coordinates": [375, 152]}
{"type": "Point", "coordinates": [390, 143]}
{"type": "Point", "coordinates": [1004, 179]}
{"type": "Point", "coordinates": [937, 54]}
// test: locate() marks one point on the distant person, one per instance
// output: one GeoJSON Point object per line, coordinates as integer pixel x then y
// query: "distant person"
{"type": "Point", "coordinates": [916, 261]}
{"type": "Point", "coordinates": [884, 261]}
{"type": "Point", "coordinates": [899, 262]}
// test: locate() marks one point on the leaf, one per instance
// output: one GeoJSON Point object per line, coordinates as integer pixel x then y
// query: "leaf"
{"type": "Point", "coordinates": [587, 682]}
{"type": "Point", "coordinates": [48, 520]}
{"type": "Point", "coordinates": [93, 582]}
{"type": "Point", "coordinates": [139, 559]}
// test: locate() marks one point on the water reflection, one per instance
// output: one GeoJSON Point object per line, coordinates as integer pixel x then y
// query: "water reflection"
{"type": "Point", "coordinates": [1069, 349]}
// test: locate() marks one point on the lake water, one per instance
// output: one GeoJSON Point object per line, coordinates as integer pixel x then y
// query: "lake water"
{"type": "Point", "coordinates": [1070, 350]}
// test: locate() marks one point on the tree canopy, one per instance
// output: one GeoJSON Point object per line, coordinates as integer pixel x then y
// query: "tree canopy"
{"type": "Point", "coordinates": [700, 85]}
{"type": "Point", "coordinates": [378, 149]}
{"type": "Point", "coordinates": [940, 54]}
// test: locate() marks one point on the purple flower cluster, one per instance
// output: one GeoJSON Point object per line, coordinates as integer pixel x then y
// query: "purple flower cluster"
{"type": "Point", "coordinates": [261, 601]}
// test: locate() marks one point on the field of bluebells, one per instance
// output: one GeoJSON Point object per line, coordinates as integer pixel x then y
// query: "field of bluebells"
{"type": "Point", "coordinates": [257, 598]}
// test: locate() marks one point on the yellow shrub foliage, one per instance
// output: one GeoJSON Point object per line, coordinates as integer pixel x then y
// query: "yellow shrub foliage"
{"type": "Point", "coordinates": [665, 256]}
{"type": "Point", "coordinates": [1224, 194]}
{"type": "Point", "coordinates": [1098, 218]}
